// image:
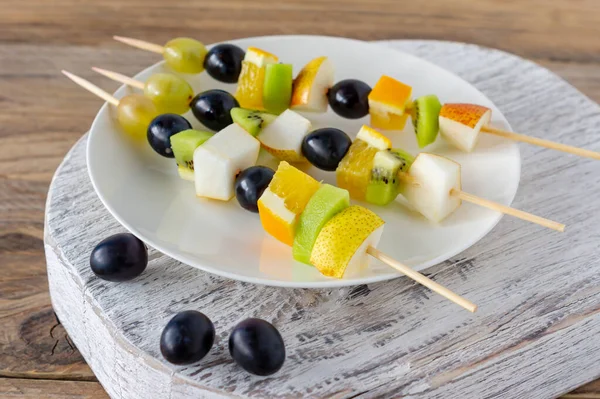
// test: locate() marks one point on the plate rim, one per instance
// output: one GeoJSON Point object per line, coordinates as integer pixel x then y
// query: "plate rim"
{"type": "Point", "coordinates": [331, 283]}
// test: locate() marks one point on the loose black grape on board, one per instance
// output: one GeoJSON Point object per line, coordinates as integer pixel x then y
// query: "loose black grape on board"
{"type": "Point", "coordinates": [187, 337]}
{"type": "Point", "coordinates": [257, 347]}
{"type": "Point", "coordinates": [120, 257]}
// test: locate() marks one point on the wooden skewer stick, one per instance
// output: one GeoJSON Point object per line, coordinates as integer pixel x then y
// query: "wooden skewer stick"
{"type": "Point", "coordinates": [407, 179]}
{"type": "Point", "coordinates": [120, 78]}
{"type": "Point", "coordinates": [508, 210]}
{"type": "Point", "coordinates": [421, 279]}
{"type": "Point", "coordinates": [541, 142]}
{"type": "Point", "coordinates": [91, 88]}
{"type": "Point", "coordinates": [155, 48]}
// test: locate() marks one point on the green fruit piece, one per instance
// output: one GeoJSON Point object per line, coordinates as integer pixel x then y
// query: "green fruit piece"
{"type": "Point", "coordinates": [185, 55]}
{"type": "Point", "coordinates": [184, 144]}
{"type": "Point", "coordinates": [170, 93]}
{"type": "Point", "coordinates": [324, 204]}
{"type": "Point", "coordinates": [251, 121]}
{"type": "Point", "coordinates": [277, 87]}
{"type": "Point", "coordinates": [134, 114]}
{"type": "Point", "coordinates": [425, 117]}
{"type": "Point", "coordinates": [383, 187]}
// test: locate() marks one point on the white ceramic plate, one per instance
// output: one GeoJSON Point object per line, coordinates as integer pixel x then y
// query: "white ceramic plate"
{"type": "Point", "coordinates": [143, 192]}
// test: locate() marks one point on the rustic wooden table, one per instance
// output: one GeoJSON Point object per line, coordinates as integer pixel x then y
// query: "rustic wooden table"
{"type": "Point", "coordinates": [42, 115]}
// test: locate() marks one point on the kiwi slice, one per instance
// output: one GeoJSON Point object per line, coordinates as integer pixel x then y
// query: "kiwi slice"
{"type": "Point", "coordinates": [184, 144]}
{"type": "Point", "coordinates": [383, 187]}
{"type": "Point", "coordinates": [251, 121]}
{"type": "Point", "coordinates": [425, 117]}
{"type": "Point", "coordinates": [277, 87]}
{"type": "Point", "coordinates": [324, 204]}
{"type": "Point", "coordinates": [406, 158]}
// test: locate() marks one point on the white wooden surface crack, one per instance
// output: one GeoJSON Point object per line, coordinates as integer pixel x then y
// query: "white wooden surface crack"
{"type": "Point", "coordinates": [535, 334]}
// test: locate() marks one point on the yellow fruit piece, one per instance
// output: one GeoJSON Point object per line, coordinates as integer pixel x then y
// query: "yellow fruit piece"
{"type": "Point", "coordinates": [311, 85]}
{"type": "Point", "coordinates": [374, 138]}
{"type": "Point", "coordinates": [294, 186]}
{"type": "Point", "coordinates": [260, 57]}
{"type": "Point", "coordinates": [249, 92]}
{"type": "Point", "coordinates": [354, 172]}
{"type": "Point", "coordinates": [284, 200]}
{"type": "Point", "coordinates": [390, 94]}
{"type": "Point", "coordinates": [344, 240]}
{"type": "Point", "coordinates": [389, 121]}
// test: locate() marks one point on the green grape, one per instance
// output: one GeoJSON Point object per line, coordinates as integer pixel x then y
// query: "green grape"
{"type": "Point", "coordinates": [185, 55]}
{"type": "Point", "coordinates": [134, 113]}
{"type": "Point", "coordinates": [170, 93]}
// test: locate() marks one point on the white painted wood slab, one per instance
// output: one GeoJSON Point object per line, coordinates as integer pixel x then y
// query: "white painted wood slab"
{"type": "Point", "coordinates": [536, 334]}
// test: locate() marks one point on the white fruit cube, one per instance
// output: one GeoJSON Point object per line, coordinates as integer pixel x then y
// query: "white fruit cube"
{"type": "Point", "coordinates": [283, 137]}
{"type": "Point", "coordinates": [435, 176]}
{"type": "Point", "coordinates": [220, 158]}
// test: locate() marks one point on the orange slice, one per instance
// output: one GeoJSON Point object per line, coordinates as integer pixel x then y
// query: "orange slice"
{"type": "Point", "coordinates": [387, 103]}
{"type": "Point", "coordinates": [354, 172]}
{"type": "Point", "coordinates": [249, 92]}
{"type": "Point", "coordinates": [374, 138]}
{"type": "Point", "coordinates": [284, 200]}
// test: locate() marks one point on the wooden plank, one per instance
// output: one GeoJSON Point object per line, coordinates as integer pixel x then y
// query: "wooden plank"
{"type": "Point", "coordinates": [558, 29]}
{"type": "Point", "coordinates": [36, 389]}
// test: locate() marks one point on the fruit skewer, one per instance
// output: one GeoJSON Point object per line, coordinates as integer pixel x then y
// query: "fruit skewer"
{"type": "Point", "coordinates": [390, 104]}
{"type": "Point", "coordinates": [325, 231]}
{"type": "Point", "coordinates": [233, 138]}
{"type": "Point", "coordinates": [430, 183]}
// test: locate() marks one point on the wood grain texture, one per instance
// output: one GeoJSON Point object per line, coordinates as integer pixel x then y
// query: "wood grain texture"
{"type": "Point", "coordinates": [535, 334]}
{"type": "Point", "coordinates": [36, 389]}
{"type": "Point", "coordinates": [560, 29]}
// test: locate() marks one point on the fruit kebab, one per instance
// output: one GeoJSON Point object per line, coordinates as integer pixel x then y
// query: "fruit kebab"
{"type": "Point", "coordinates": [460, 124]}
{"type": "Point", "coordinates": [374, 172]}
{"type": "Point", "coordinates": [325, 231]}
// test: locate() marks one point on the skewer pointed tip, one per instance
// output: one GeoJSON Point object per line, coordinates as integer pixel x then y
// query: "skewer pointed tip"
{"type": "Point", "coordinates": [91, 87]}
